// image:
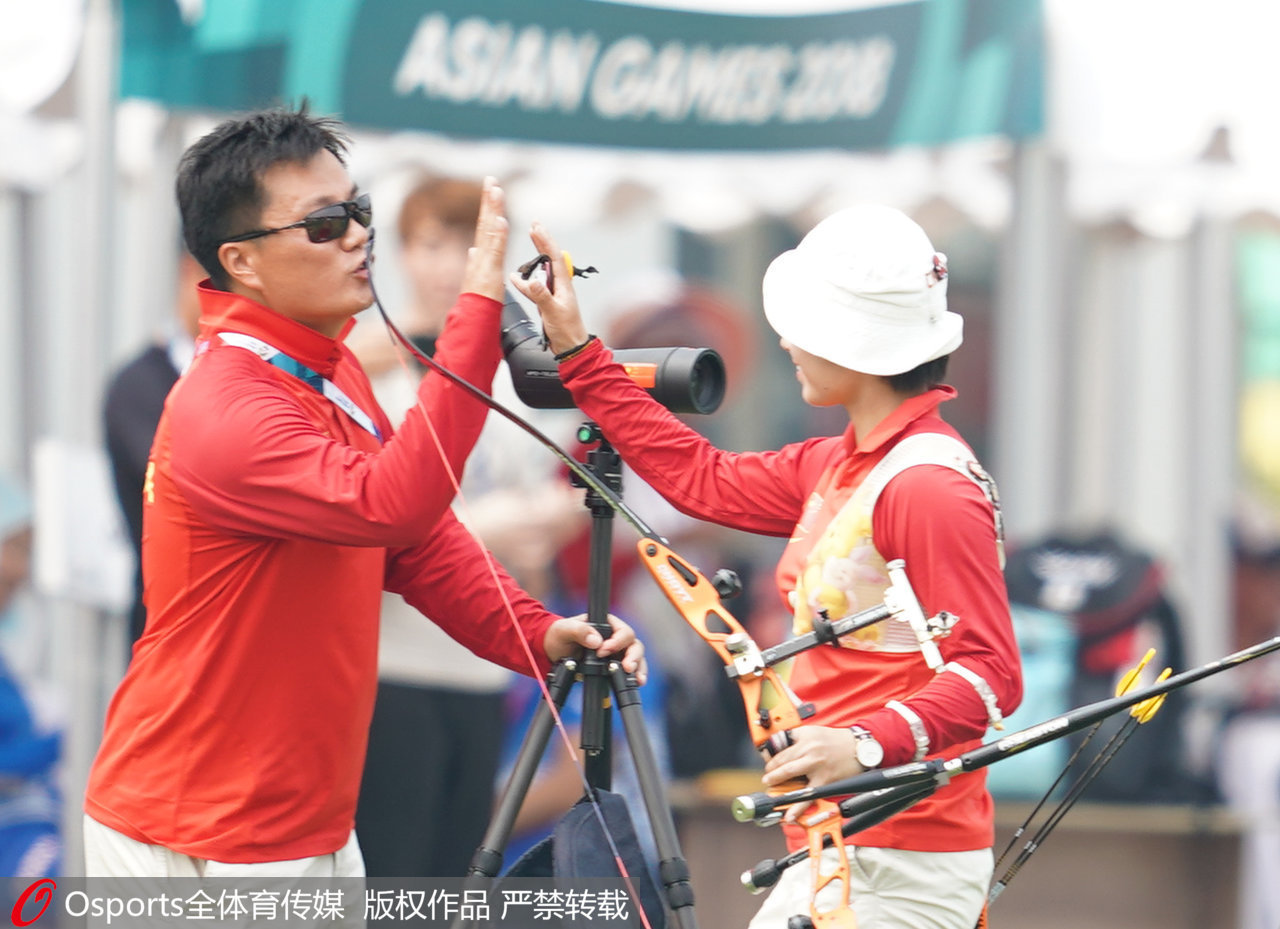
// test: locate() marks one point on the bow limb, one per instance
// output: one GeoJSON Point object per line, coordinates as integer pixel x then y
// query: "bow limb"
{"type": "Point", "coordinates": [698, 601]}
{"type": "Point", "coordinates": [822, 823]}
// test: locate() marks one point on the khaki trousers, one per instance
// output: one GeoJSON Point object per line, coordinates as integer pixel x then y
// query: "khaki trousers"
{"type": "Point", "coordinates": [889, 889]}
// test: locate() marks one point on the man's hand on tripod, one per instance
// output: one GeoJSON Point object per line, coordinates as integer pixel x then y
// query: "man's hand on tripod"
{"type": "Point", "coordinates": [566, 636]}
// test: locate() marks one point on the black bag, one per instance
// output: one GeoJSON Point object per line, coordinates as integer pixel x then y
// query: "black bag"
{"type": "Point", "coordinates": [577, 847]}
{"type": "Point", "coordinates": [1114, 596]}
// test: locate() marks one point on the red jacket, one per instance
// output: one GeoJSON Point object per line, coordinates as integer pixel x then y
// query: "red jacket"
{"type": "Point", "coordinates": [272, 524]}
{"type": "Point", "coordinates": [938, 521]}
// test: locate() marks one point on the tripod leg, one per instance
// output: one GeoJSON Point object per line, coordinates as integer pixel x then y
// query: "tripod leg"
{"type": "Point", "coordinates": [487, 861]}
{"type": "Point", "coordinates": [672, 867]}
{"type": "Point", "coordinates": [597, 737]}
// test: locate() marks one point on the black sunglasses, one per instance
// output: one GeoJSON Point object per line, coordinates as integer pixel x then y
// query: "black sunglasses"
{"type": "Point", "coordinates": [322, 225]}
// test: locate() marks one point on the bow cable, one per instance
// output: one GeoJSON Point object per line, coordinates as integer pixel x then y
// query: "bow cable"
{"type": "Point", "coordinates": [1127, 682]}
{"type": "Point", "coordinates": [1138, 715]}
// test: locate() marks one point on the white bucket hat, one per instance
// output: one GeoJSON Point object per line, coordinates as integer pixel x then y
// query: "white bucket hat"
{"type": "Point", "coordinates": [866, 290]}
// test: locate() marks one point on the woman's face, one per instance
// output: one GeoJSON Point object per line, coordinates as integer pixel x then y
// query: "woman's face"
{"type": "Point", "coordinates": [435, 259]}
{"type": "Point", "coordinates": [822, 382]}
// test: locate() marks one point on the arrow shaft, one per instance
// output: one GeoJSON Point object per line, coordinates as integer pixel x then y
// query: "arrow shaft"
{"type": "Point", "coordinates": [1006, 747]}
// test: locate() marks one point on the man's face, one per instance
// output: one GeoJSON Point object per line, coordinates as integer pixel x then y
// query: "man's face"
{"type": "Point", "coordinates": [321, 285]}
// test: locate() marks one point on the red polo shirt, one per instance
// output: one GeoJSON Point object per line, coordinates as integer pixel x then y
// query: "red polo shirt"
{"type": "Point", "coordinates": [272, 522]}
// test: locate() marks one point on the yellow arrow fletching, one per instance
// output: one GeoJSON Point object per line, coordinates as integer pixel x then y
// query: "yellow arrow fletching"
{"type": "Point", "coordinates": [568, 262]}
{"type": "Point", "coordinates": [1131, 677]}
{"type": "Point", "coordinates": [1143, 711]}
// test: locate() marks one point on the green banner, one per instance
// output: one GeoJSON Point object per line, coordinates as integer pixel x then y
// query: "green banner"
{"type": "Point", "coordinates": [591, 72]}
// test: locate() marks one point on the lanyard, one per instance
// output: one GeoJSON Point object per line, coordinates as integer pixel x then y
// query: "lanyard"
{"type": "Point", "coordinates": [320, 384]}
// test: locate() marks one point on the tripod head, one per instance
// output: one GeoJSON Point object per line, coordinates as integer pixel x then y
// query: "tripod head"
{"type": "Point", "coordinates": [605, 463]}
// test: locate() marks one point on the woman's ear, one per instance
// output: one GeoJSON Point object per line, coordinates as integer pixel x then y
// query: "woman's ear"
{"type": "Point", "coordinates": [239, 260]}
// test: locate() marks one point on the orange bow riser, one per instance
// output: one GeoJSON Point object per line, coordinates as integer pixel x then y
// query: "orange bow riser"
{"type": "Point", "coordinates": [698, 601]}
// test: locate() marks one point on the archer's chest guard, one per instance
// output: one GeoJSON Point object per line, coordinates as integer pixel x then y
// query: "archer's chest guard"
{"type": "Point", "coordinates": [845, 572]}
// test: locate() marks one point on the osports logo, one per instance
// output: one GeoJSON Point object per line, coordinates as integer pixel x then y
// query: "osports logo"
{"type": "Point", "coordinates": [42, 890]}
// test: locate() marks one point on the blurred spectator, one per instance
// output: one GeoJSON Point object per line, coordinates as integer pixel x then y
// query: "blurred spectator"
{"type": "Point", "coordinates": [436, 734]}
{"type": "Point", "coordinates": [1248, 740]}
{"type": "Point", "coordinates": [134, 400]}
{"type": "Point", "coordinates": [1109, 599]}
{"type": "Point", "coordinates": [30, 843]}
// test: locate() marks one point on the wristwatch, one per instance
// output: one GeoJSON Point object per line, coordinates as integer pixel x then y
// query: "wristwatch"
{"type": "Point", "coordinates": [866, 750]}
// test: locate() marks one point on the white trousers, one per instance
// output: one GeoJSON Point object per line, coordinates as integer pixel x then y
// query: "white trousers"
{"type": "Point", "coordinates": [108, 853]}
{"type": "Point", "coordinates": [889, 889]}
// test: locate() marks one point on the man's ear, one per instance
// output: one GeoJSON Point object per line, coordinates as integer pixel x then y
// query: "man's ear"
{"type": "Point", "coordinates": [239, 260]}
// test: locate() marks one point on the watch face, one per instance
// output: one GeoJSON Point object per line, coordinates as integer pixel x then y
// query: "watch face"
{"type": "Point", "coordinates": [869, 752]}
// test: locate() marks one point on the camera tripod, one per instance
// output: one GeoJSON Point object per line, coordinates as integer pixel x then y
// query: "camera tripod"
{"type": "Point", "coordinates": [604, 682]}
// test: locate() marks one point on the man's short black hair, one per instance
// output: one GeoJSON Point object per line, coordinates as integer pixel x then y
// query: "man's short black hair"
{"type": "Point", "coordinates": [920, 378]}
{"type": "Point", "coordinates": [219, 186]}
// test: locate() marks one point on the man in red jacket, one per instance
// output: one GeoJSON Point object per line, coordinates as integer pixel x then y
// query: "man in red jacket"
{"type": "Point", "coordinates": [860, 306]}
{"type": "Point", "coordinates": [278, 506]}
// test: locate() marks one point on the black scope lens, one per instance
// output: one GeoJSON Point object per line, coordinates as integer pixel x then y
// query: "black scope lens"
{"type": "Point", "coordinates": [684, 380]}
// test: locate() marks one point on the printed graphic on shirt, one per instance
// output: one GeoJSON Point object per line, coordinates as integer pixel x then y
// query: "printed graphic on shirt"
{"type": "Point", "coordinates": [843, 575]}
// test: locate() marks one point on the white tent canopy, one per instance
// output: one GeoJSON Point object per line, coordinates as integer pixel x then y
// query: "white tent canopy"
{"type": "Point", "coordinates": [1131, 109]}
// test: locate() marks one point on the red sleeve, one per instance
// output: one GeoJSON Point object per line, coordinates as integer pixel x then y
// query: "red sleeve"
{"type": "Point", "coordinates": [941, 524]}
{"type": "Point", "coordinates": [251, 460]}
{"type": "Point", "coordinates": [449, 579]}
{"type": "Point", "coordinates": [760, 492]}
